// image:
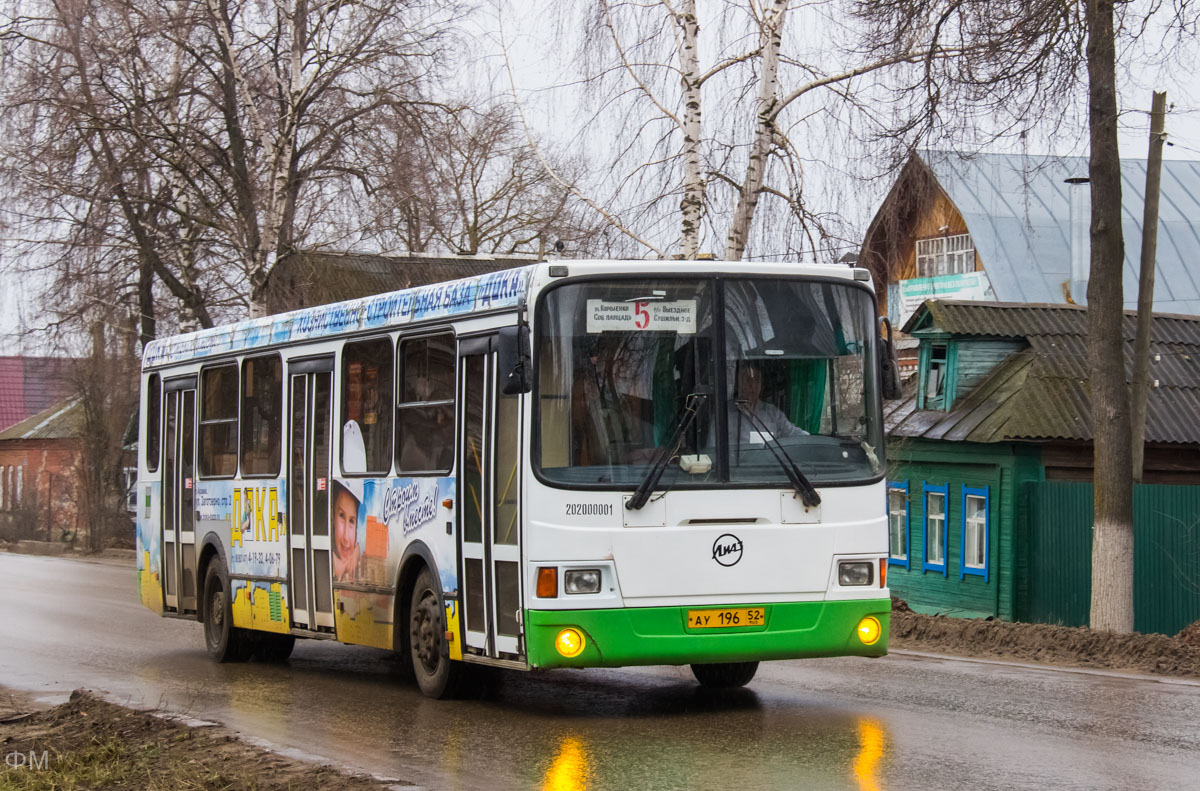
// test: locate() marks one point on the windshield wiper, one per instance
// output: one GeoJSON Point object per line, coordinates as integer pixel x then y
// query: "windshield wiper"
{"type": "Point", "coordinates": [804, 488]}
{"type": "Point", "coordinates": [666, 452]}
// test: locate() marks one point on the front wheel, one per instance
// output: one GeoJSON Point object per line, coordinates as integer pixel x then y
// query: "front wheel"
{"type": "Point", "coordinates": [723, 675]}
{"type": "Point", "coordinates": [275, 647]}
{"type": "Point", "coordinates": [225, 642]}
{"type": "Point", "coordinates": [437, 674]}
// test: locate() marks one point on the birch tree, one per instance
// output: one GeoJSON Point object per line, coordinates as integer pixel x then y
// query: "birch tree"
{"type": "Point", "coordinates": [708, 126]}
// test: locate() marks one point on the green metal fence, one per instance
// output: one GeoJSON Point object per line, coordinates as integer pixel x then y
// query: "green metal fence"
{"type": "Point", "coordinates": [1166, 574]}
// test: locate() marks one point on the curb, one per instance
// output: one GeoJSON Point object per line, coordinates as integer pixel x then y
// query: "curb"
{"type": "Point", "coordinates": [1087, 671]}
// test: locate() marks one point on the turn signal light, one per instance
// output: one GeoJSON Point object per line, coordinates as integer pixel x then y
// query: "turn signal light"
{"type": "Point", "coordinates": [569, 642]}
{"type": "Point", "coordinates": [883, 572]}
{"type": "Point", "coordinates": [547, 582]}
{"type": "Point", "coordinates": [869, 630]}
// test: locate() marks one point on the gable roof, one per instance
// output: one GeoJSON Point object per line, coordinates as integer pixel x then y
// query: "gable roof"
{"type": "Point", "coordinates": [63, 420]}
{"type": "Point", "coordinates": [1018, 212]}
{"type": "Point", "coordinates": [30, 384]}
{"type": "Point", "coordinates": [1041, 392]}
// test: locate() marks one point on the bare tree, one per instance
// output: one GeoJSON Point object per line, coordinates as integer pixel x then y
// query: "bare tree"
{"type": "Point", "coordinates": [473, 184]}
{"type": "Point", "coordinates": [214, 132]}
{"type": "Point", "coordinates": [708, 127]}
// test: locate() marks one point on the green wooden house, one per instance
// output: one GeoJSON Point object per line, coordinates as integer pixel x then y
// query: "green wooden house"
{"type": "Point", "coordinates": [998, 417]}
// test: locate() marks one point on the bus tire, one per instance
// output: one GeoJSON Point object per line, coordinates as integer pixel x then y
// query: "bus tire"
{"type": "Point", "coordinates": [724, 675]}
{"type": "Point", "coordinates": [274, 647]}
{"type": "Point", "coordinates": [437, 674]}
{"type": "Point", "coordinates": [224, 641]}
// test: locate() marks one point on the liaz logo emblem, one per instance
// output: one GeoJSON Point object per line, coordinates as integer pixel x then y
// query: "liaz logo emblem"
{"type": "Point", "coordinates": [727, 550]}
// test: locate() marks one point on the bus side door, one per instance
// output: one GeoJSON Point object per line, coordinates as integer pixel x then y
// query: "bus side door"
{"type": "Point", "coordinates": [489, 510]}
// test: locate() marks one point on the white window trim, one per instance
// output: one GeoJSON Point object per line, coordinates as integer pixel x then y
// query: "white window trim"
{"type": "Point", "coordinates": [945, 255]}
{"type": "Point", "coordinates": [901, 514]}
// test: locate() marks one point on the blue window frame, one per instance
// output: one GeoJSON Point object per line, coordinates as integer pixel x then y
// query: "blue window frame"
{"type": "Point", "coordinates": [937, 507]}
{"type": "Point", "coordinates": [899, 525]}
{"type": "Point", "coordinates": [976, 531]}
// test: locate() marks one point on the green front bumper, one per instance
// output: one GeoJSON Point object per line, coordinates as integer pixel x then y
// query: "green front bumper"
{"type": "Point", "coordinates": [660, 635]}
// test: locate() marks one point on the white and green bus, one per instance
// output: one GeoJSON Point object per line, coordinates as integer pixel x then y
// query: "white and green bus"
{"type": "Point", "coordinates": [569, 464]}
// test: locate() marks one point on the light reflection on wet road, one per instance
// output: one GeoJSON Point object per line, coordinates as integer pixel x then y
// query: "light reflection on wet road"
{"type": "Point", "coordinates": [894, 723]}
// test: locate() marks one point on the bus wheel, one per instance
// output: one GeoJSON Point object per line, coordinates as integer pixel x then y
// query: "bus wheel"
{"type": "Point", "coordinates": [722, 675]}
{"type": "Point", "coordinates": [275, 647]}
{"type": "Point", "coordinates": [225, 643]}
{"type": "Point", "coordinates": [437, 674]}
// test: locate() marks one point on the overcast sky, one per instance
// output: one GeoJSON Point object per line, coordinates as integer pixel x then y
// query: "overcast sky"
{"type": "Point", "coordinates": [543, 56]}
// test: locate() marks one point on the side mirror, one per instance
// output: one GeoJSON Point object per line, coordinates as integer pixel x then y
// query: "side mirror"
{"type": "Point", "coordinates": [515, 360]}
{"type": "Point", "coordinates": [889, 368]}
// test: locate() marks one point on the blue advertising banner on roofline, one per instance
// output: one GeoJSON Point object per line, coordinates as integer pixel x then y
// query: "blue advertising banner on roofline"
{"type": "Point", "coordinates": [491, 291]}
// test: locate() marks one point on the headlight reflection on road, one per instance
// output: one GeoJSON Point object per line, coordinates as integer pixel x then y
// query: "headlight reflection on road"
{"type": "Point", "coordinates": [870, 750]}
{"type": "Point", "coordinates": [571, 769]}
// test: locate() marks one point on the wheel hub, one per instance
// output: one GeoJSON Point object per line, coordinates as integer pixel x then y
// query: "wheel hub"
{"type": "Point", "coordinates": [426, 638]}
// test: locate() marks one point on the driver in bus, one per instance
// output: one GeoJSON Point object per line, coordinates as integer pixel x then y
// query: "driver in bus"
{"type": "Point", "coordinates": [768, 420]}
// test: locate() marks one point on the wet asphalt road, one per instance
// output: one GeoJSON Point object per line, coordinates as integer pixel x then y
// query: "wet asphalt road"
{"type": "Point", "coordinates": [901, 722]}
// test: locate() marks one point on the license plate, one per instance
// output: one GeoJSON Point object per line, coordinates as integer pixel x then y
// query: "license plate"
{"type": "Point", "coordinates": [721, 619]}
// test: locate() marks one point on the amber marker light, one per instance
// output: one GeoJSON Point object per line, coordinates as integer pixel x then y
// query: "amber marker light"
{"type": "Point", "coordinates": [547, 582]}
{"type": "Point", "coordinates": [883, 572]}
{"type": "Point", "coordinates": [569, 642]}
{"type": "Point", "coordinates": [869, 630]}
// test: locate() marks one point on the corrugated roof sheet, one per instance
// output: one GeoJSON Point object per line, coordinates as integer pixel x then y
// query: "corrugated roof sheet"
{"type": "Point", "coordinates": [30, 384]}
{"type": "Point", "coordinates": [1041, 391]}
{"type": "Point", "coordinates": [1017, 209]}
{"type": "Point", "coordinates": [63, 420]}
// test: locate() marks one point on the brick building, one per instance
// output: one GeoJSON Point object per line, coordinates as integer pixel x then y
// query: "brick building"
{"type": "Point", "coordinates": [39, 469]}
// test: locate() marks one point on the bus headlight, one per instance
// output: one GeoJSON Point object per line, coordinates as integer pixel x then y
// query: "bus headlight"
{"type": "Point", "coordinates": [569, 642]}
{"type": "Point", "coordinates": [582, 581]}
{"type": "Point", "coordinates": [856, 572]}
{"type": "Point", "coordinates": [869, 630]}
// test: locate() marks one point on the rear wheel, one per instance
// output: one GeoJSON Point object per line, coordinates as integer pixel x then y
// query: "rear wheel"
{"type": "Point", "coordinates": [723, 675]}
{"type": "Point", "coordinates": [224, 641]}
{"type": "Point", "coordinates": [437, 674]}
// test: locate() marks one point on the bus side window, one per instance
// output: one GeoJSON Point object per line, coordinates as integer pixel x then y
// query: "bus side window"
{"type": "Point", "coordinates": [262, 415]}
{"type": "Point", "coordinates": [153, 410]}
{"type": "Point", "coordinates": [425, 408]}
{"type": "Point", "coordinates": [366, 407]}
{"type": "Point", "coordinates": [219, 421]}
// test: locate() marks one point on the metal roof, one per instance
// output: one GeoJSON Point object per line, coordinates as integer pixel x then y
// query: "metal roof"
{"type": "Point", "coordinates": [1041, 391]}
{"type": "Point", "coordinates": [64, 420]}
{"type": "Point", "coordinates": [1017, 209]}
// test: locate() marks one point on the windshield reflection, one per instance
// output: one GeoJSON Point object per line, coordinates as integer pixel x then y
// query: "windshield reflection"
{"type": "Point", "coordinates": [785, 363]}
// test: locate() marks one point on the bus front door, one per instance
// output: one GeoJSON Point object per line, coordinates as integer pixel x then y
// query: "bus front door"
{"type": "Point", "coordinates": [311, 588]}
{"type": "Point", "coordinates": [489, 506]}
{"type": "Point", "coordinates": [178, 501]}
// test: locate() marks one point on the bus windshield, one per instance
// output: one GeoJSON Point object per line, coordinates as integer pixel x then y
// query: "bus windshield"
{"type": "Point", "coordinates": [766, 364]}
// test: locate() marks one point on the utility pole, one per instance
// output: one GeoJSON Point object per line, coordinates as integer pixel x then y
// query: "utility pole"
{"type": "Point", "coordinates": [1145, 310]}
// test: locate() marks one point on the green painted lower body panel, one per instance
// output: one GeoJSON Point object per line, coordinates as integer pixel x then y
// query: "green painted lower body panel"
{"type": "Point", "coordinates": [661, 636]}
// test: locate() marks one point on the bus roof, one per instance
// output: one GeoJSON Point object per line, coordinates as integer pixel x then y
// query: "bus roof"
{"type": "Point", "coordinates": [492, 291]}
{"type": "Point", "coordinates": [503, 290]}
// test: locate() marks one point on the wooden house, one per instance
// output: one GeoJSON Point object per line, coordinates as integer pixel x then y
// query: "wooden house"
{"type": "Point", "coordinates": [994, 441]}
{"type": "Point", "coordinates": [1009, 228]}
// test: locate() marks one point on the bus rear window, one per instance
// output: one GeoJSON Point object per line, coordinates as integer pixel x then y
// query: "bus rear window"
{"type": "Point", "coordinates": [262, 415]}
{"type": "Point", "coordinates": [367, 407]}
{"type": "Point", "coordinates": [219, 422]}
